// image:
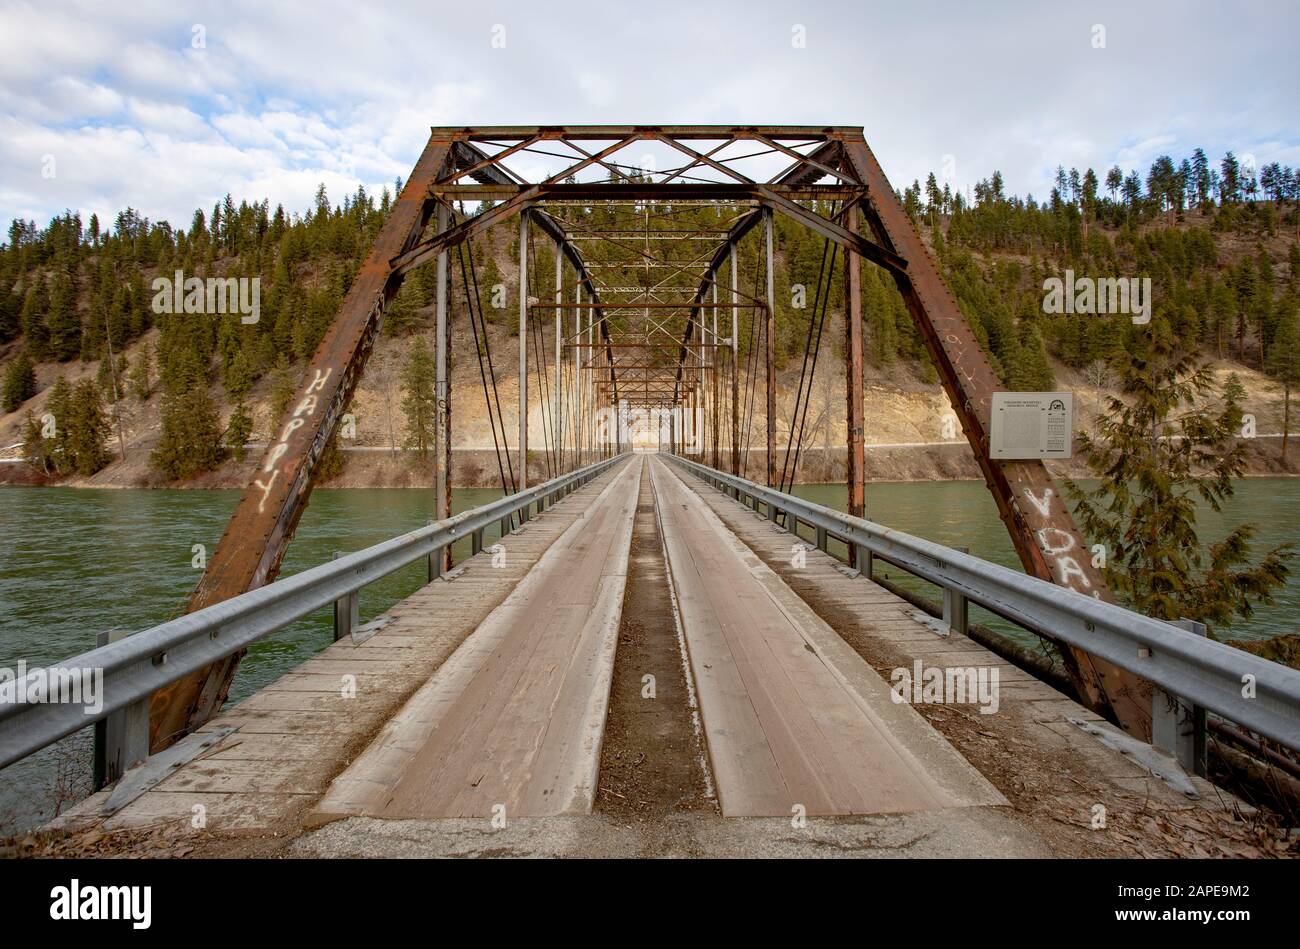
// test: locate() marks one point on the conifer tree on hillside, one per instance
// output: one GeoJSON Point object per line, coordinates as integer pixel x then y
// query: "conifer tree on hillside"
{"type": "Point", "coordinates": [139, 379]}
{"type": "Point", "coordinates": [62, 321]}
{"type": "Point", "coordinates": [420, 399]}
{"type": "Point", "coordinates": [36, 302]}
{"type": "Point", "coordinates": [190, 442]}
{"type": "Point", "coordinates": [19, 381]}
{"type": "Point", "coordinates": [1284, 365]}
{"type": "Point", "coordinates": [1157, 452]}
{"type": "Point", "coordinates": [87, 429]}
{"type": "Point", "coordinates": [238, 381]}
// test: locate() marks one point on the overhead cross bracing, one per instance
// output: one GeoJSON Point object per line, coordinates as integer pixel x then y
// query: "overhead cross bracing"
{"type": "Point", "coordinates": [647, 223]}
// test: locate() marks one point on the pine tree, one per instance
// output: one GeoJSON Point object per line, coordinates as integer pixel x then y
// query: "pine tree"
{"type": "Point", "coordinates": [19, 382]}
{"type": "Point", "coordinates": [1033, 370]}
{"type": "Point", "coordinates": [59, 407]}
{"type": "Point", "coordinates": [420, 400]}
{"type": "Point", "coordinates": [63, 323]}
{"type": "Point", "coordinates": [190, 442]}
{"type": "Point", "coordinates": [238, 430]}
{"type": "Point", "coordinates": [1155, 453]}
{"type": "Point", "coordinates": [191, 439]}
{"type": "Point", "coordinates": [37, 449]}
{"type": "Point", "coordinates": [238, 381]}
{"type": "Point", "coordinates": [35, 304]}
{"type": "Point", "coordinates": [139, 379]}
{"type": "Point", "coordinates": [283, 387]}
{"type": "Point", "coordinates": [87, 429]}
{"type": "Point", "coordinates": [1284, 365]}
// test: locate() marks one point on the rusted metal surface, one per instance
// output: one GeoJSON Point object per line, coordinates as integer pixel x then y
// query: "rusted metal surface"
{"type": "Point", "coordinates": [769, 344]}
{"type": "Point", "coordinates": [1041, 526]}
{"type": "Point", "coordinates": [255, 540]}
{"type": "Point", "coordinates": [853, 379]}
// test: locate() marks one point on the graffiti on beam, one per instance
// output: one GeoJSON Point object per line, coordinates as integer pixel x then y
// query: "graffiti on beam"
{"type": "Point", "coordinates": [302, 411]}
{"type": "Point", "coordinates": [1059, 547]}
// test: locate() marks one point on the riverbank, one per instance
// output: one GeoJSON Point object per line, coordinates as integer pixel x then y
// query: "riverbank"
{"type": "Point", "coordinates": [374, 467]}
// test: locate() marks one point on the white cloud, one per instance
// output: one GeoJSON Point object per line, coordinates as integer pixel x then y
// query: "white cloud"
{"type": "Point", "coordinates": [285, 96]}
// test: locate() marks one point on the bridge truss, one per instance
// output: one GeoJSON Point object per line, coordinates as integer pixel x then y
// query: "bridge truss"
{"type": "Point", "coordinates": [647, 312]}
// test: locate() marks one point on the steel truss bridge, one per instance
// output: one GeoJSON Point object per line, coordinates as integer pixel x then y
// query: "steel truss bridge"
{"type": "Point", "coordinates": [648, 226]}
{"type": "Point", "coordinates": [652, 345]}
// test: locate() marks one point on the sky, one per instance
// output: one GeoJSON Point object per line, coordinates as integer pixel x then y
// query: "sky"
{"type": "Point", "coordinates": [168, 106]}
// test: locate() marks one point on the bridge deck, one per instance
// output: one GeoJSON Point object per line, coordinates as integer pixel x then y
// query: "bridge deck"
{"type": "Point", "coordinates": [793, 717]}
{"type": "Point", "coordinates": [491, 689]}
{"type": "Point", "coordinates": [513, 719]}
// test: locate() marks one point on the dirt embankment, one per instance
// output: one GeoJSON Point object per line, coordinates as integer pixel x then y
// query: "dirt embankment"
{"type": "Point", "coordinates": [911, 431]}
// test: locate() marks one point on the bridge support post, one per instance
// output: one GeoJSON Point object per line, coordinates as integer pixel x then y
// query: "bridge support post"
{"type": "Point", "coordinates": [442, 392]}
{"type": "Point", "coordinates": [523, 350]}
{"type": "Point", "coordinates": [866, 560]}
{"type": "Point", "coordinates": [122, 738]}
{"type": "Point", "coordinates": [770, 350]}
{"type": "Point", "coordinates": [557, 416]}
{"type": "Point", "coordinates": [715, 418]}
{"type": "Point", "coordinates": [955, 607]}
{"type": "Point", "coordinates": [954, 611]}
{"type": "Point", "coordinates": [1177, 726]}
{"type": "Point", "coordinates": [856, 459]}
{"type": "Point", "coordinates": [735, 367]}
{"type": "Point", "coordinates": [347, 611]}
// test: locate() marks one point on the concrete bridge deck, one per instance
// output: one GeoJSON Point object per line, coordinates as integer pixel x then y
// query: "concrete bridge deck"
{"type": "Point", "coordinates": [473, 721]}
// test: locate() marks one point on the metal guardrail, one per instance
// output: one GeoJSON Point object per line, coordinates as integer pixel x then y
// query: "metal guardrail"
{"type": "Point", "coordinates": [1199, 671]}
{"type": "Point", "coordinates": [136, 666]}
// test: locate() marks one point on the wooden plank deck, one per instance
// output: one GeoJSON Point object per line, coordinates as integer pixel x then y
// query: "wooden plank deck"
{"type": "Point", "coordinates": [511, 724]}
{"type": "Point", "coordinates": [300, 731]}
{"type": "Point", "coordinates": [792, 715]}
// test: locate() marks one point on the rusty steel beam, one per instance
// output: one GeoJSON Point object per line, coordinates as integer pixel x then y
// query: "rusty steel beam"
{"type": "Point", "coordinates": [579, 133]}
{"type": "Point", "coordinates": [1041, 527]}
{"type": "Point", "coordinates": [853, 383]}
{"type": "Point", "coordinates": [254, 543]}
{"type": "Point", "coordinates": [828, 228]}
{"type": "Point", "coordinates": [769, 348]}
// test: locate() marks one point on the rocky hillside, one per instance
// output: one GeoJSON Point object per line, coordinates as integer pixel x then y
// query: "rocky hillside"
{"type": "Point", "coordinates": [1233, 285]}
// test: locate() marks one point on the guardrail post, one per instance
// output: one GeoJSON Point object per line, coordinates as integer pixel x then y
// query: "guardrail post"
{"type": "Point", "coordinates": [476, 542]}
{"type": "Point", "coordinates": [771, 511]}
{"type": "Point", "coordinates": [955, 608]}
{"type": "Point", "coordinates": [866, 560]}
{"type": "Point", "coordinates": [821, 539]}
{"type": "Point", "coordinates": [347, 610]}
{"type": "Point", "coordinates": [1178, 726]}
{"type": "Point", "coordinates": [121, 737]}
